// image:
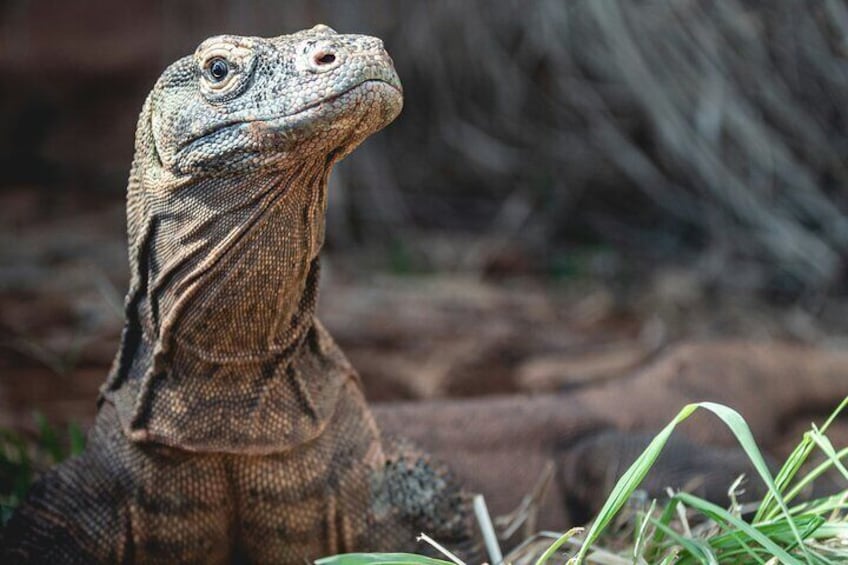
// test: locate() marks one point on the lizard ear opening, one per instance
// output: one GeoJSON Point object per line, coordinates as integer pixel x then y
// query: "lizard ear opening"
{"type": "Point", "coordinates": [153, 154]}
{"type": "Point", "coordinates": [146, 147]}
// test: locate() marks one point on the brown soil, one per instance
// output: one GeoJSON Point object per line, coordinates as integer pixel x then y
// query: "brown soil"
{"type": "Point", "coordinates": [63, 273]}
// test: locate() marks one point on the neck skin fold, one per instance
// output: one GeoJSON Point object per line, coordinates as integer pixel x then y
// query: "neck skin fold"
{"type": "Point", "coordinates": [238, 283]}
{"type": "Point", "coordinates": [222, 316]}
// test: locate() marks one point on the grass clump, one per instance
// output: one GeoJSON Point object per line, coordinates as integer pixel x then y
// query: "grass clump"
{"type": "Point", "coordinates": [777, 530]}
{"type": "Point", "coordinates": [22, 457]}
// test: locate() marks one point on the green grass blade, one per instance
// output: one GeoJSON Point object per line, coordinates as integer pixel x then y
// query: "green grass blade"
{"type": "Point", "coordinates": [668, 513]}
{"type": "Point", "coordinates": [722, 516]}
{"type": "Point", "coordinates": [769, 507]}
{"type": "Point", "coordinates": [48, 438]}
{"type": "Point", "coordinates": [842, 406]}
{"type": "Point", "coordinates": [813, 474]}
{"type": "Point", "coordinates": [629, 481]}
{"type": "Point", "coordinates": [740, 429]}
{"type": "Point", "coordinates": [76, 437]}
{"type": "Point", "coordinates": [16, 472]}
{"type": "Point", "coordinates": [640, 468]}
{"type": "Point", "coordinates": [554, 547]}
{"type": "Point", "coordinates": [640, 541]}
{"type": "Point", "coordinates": [825, 445]}
{"type": "Point", "coordinates": [696, 549]}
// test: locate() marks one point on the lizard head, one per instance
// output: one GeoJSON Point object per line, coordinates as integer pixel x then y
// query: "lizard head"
{"type": "Point", "coordinates": [226, 209]}
{"type": "Point", "coordinates": [228, 188]}
{"type": "Point", "coordinates": [242, 103]}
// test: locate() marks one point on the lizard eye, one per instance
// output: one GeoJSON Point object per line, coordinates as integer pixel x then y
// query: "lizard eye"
{"type": "Point", "coordinates": [225, 65]}
{"type": "Point", "coordinates": [219, 68]}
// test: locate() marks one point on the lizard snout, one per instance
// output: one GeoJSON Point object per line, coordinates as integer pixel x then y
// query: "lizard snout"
{"type": "Point", "coordinates": [354, 59]}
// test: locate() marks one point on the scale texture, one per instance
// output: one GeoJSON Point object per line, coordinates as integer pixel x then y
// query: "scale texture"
{"type": "Point", "coordinates": [231, 428]}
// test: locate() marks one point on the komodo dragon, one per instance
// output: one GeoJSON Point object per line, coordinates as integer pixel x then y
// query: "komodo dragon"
{"type": "Point", "coordinates": [231, 428]}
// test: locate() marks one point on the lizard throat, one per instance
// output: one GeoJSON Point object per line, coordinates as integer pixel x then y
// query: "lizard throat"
{"type": "Point", "coordinates": [227, 325]}
{"type": "Point", "coordinates": [244, 285]}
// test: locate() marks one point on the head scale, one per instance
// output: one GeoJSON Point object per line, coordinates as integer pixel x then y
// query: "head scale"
{"type": "Point", "coordinates": [248, 102]}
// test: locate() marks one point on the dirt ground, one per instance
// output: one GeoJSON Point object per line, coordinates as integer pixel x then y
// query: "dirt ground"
{"type": "Point", "coordinates": [63, 274]}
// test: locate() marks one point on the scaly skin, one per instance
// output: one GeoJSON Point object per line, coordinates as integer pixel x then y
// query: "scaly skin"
{"type": "Point", "coordinates": [231, 427]}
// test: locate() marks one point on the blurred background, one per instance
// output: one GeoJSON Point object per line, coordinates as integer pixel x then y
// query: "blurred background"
{"type": "Point", "coordinates": [572, 186]}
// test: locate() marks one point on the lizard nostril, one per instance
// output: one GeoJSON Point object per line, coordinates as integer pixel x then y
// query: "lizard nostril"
{"type": "Point", "coordinates": [322, 58]}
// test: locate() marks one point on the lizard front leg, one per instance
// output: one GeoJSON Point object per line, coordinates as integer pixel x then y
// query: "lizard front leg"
{"type": "Point", "coordinates": [119, 502]}
{"type": "Point", "coordinates": [347, 491]}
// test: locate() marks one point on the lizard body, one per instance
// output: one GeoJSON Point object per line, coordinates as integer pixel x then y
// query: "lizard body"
{"type": "Point", "coordinates": [231, 427]}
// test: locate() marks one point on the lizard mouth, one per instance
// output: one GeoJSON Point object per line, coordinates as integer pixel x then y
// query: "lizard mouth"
{"type": "Point", "coordinates": [263, 136]}
{"type": "Point", "coordinates": [312, 110]}
{"type": "Point", "coordinates": [393, 84]}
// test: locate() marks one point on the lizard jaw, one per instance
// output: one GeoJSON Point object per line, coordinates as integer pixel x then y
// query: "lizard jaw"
{"type": "Point", "coordinates": [271, 141]}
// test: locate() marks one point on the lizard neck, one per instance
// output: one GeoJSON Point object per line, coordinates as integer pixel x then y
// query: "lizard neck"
{"type": "Point", "coordinates": [233, 266]}
{"type": "Point", "coordinates": [222, 351]}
